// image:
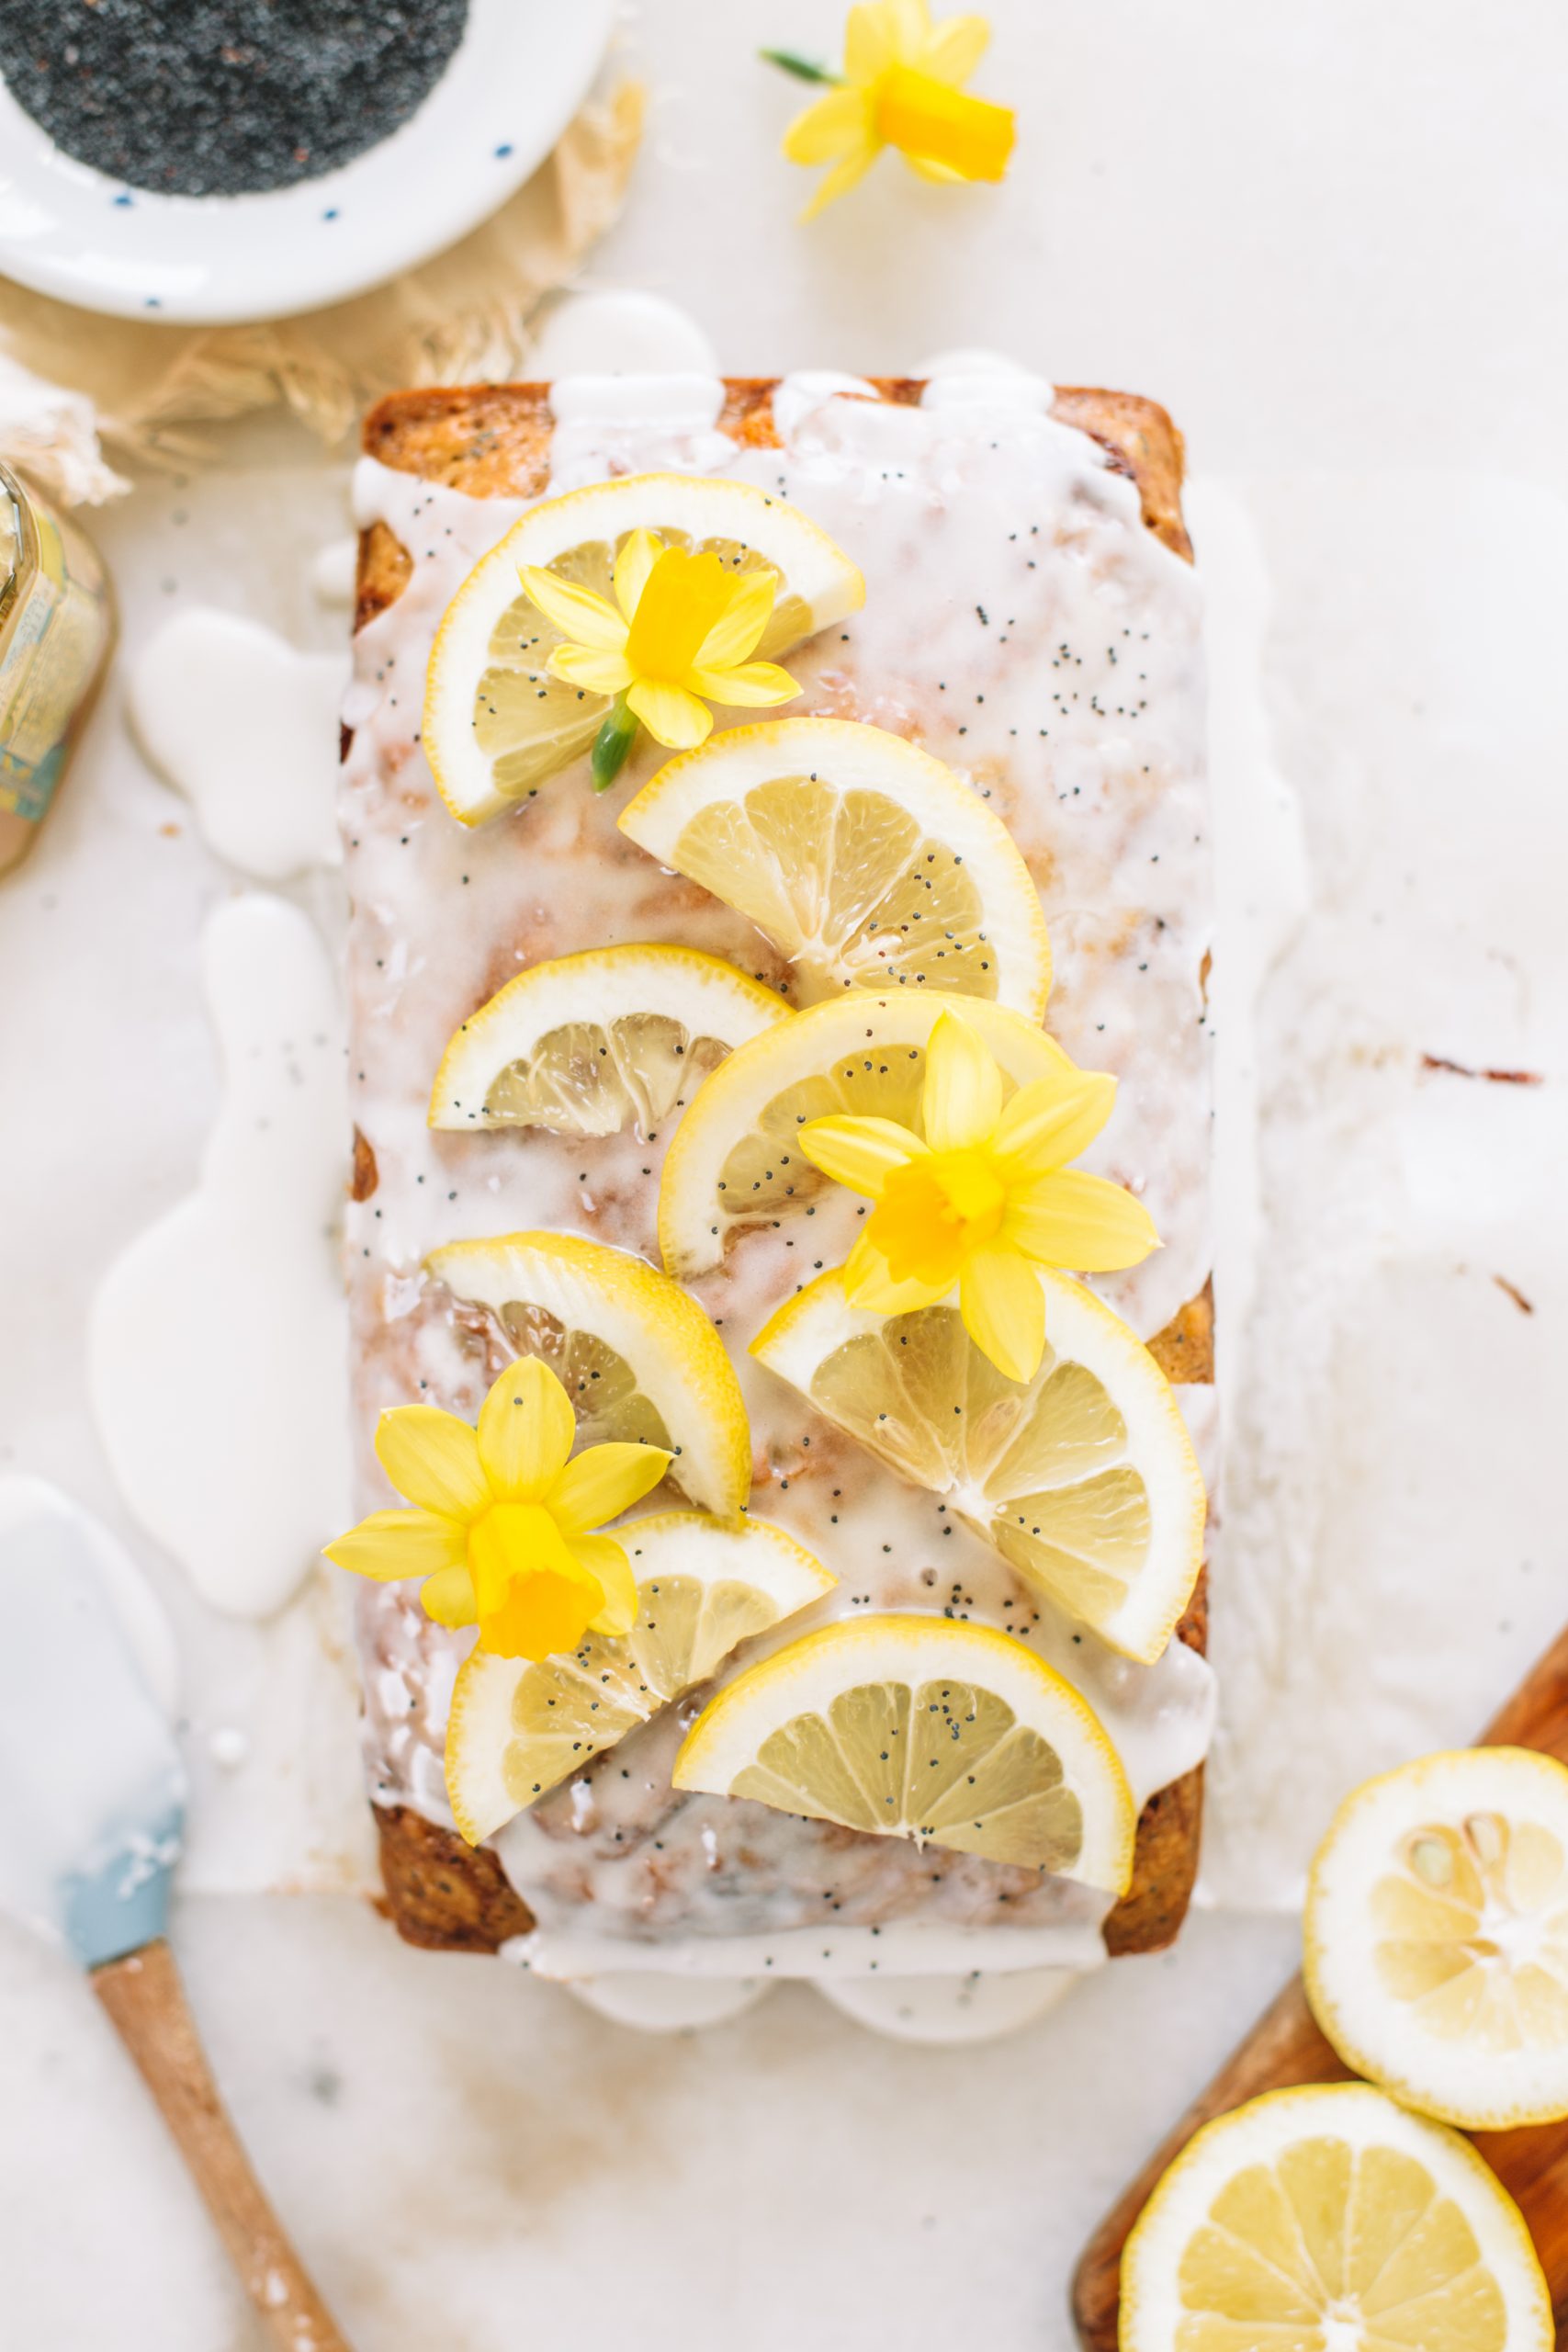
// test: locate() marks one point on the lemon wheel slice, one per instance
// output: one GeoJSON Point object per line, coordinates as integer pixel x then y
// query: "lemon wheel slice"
{"type": "Point", "coordinates": [587, 1045]}
{"type": "Point", "coordinates": [704, 1586]}
{"type": "Point", "coordinates": [1329, 2220]}
{"type": "Point", "coordinates": [1083, 1478]}
{"type": "Point", "coordinates": [865, 861]}
{"type": "Point", "coordinates": [496, 723]}
{"type": "Point", "coordinates": [639, 1360]}
{"type": "Point", "coordinates": [1436, 1936]}
{"type": "Point", "coordinates": [928, 1728]}
{"type": "Point", "coordinates": [733, 1162]}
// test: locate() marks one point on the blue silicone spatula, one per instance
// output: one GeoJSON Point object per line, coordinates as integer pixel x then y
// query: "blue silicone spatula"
{"type": "Point", "coordinates": [88, 1847]}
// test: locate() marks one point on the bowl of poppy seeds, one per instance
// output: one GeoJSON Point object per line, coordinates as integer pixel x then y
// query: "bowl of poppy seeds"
{"type": "Point", "coordinates": [223, 160]}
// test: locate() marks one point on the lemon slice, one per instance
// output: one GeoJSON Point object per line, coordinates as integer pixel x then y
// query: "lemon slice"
{"type": "Point", "coordinates": [639, 1360]}
{"type": "Point", "coordinates": [733, 1162]}
{"type": "Point", "coordinates": [589, 1044]}
{"type": "Point", "coordinates": [704, 1585]}
{"type": "Point", "coordinates": [928, 1728]}
{"type": "Point", "coordinates": [496, 723]}
{"type": "Point", "coordinates": [1327, 2218]}
{"type": "Point", "coordinates": [1083, 1478]}
{"type": "Point", "coordinates": [865, 861]}
{"type": "Point", "coordinates": [1436, 1936]}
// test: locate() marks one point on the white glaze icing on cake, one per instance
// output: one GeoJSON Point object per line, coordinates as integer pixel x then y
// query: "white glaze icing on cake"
{"type": "Point", "coordinates": [1023, 625]}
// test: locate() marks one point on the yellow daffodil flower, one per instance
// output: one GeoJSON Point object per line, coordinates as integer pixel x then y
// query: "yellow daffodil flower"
{"type": "Point", "coordinates": [981, 1197]}
{"type": "Point", "coordinates": [901, 87]}
{"type": "Point", "coordinates": [680, 634]}
{"type": "Point", "coordinates": [501, 1527]}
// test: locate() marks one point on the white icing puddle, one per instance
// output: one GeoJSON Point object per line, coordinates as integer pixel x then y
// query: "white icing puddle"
{"type": "Point", "coordinates": [614, 331]}
{"type": "Point", "coordinates": [218, 1339]}
{"type": "Point", "coordinates": [246, 728]}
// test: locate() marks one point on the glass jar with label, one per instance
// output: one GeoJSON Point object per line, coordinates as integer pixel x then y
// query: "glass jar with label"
{"type": "Point", "coordinates": [56, 627]}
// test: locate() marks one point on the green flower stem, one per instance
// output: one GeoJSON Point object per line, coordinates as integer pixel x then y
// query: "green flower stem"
{"type": "Point", "coordinates": [616, 736]}
{"type": "Point", "coordinates": [804, 68]}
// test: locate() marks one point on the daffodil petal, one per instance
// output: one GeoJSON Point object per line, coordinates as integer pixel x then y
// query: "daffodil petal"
{"type": "Point", "coordinates": [943, 175]}
{"type": "Point", "coordinates": [1004, 1310]}
{"type": "Point", "coordinates": [1051, 1120]}
{"type": "Point", "coordinates": [870, 39]}
{"type": "Point", "coordinates": [1082, 1222]}
{"type": "Point", "coordinates": [433, 1459]}
{"type": "Point", "coordinates": [752, 684]}
{"type": "Point", "coordinates": [577, 612]}
{"type": "Point", "coordinates": [584, 665]}
{"type": "Point", "coordinates": [526, 1430]}
{"type": "Point", "coordinates": [672, 716]}
{"type": "Point", "coordinates": [868, 1282]}
{"type": "Point", "coordinates": [734, 636]}
{"type": "Point", "coordinates": [606, 1559]}
{"type": "Point", "coordinates": [861, 1153]}
{"type": "Point", "coordinates": [842, 178]}
{"type": "Point", "coordinates": [636, 559]}
{"type": "Point", "coordinates": [962, 1098]}
{"type": "Point", "coordinates": [603, 1481]}
{"type": "Point", "coordinates": [830, 128]}
{"type": "Point", "coordinates": [955, 48]}
{"type": "Point", "coordinates": [392, 1545]}
{"type": "Point", "coordinates": [448, 1597]}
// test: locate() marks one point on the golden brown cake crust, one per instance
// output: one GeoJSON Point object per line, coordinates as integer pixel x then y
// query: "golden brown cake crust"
{"type": "Point", "coordinates": [491, 441]}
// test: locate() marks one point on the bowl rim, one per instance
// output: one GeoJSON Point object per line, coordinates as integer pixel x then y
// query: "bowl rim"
{"type": "Point", "coordinates": [517, 77]}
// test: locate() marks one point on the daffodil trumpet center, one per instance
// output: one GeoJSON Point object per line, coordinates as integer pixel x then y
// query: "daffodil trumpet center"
{"type": "Point", "coordinates": [684, 595]}
{"type": "Point", "coordinates": [936, 1210]}
{"type": "Point", "coordinates": [928, 118]}
{"type": "Point", "coordinates": [532, 1596]}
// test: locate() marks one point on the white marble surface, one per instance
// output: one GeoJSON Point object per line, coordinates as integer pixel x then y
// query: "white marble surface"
{"type": "Point", "coordinates": [1326, 238]}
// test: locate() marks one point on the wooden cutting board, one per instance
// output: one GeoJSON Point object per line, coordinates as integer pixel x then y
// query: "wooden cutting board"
{"type": "Point", "coordinates": [1285, 2047]}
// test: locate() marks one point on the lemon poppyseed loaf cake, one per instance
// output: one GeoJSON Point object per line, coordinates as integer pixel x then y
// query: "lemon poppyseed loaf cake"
{"type": "Point", "coordinates": [1019, 693]}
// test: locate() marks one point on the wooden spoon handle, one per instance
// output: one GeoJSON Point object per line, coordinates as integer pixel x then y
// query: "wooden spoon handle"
{"type": "Point", "coordinates": [143, 1996]}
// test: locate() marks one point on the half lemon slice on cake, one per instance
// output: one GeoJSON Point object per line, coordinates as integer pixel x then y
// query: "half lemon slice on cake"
{"type": "Point", "coordinates": [1083, 1478]}
{"type": "Point", "coordinates": [1436, 1936]}
{"type": "Point", "coordinates": [733, 1161]}
{"type": "Point", "coordinates": [638, 1358]}
{"type": "Point", "coordinates": [496, 722]}
{"type": "Point", "coordinates": [589, 1044]}
{"type": "Point", "coordinates": [865, 861]}
{"type": "Point", "coordinates": [928, 1728]}
{"type": "Point", "coordinates": [1328, 2218]}
{"type": "Point", "coordinates": [704, 1585]}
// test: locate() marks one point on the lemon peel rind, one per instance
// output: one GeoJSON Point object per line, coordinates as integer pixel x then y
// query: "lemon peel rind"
{"type": "Point", "coordinates": [913, 1647]}
{"type": "Point", "coordinates": [1182, 2198]}
{"type": "Point", "coordinates": [1372, 1814]}
{"type": "Point", "coordinates": [672, 979]}
{"type": "Point", "coordinates": [789, 1344]}
{"type": "Point", "coordinates": [852, 756]}
{"type": "Point", "coordinates": [589, 1286]}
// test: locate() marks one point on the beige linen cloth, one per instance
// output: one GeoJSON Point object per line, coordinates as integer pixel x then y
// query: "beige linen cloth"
{"type": "Point", "coordinates": [73, 384]}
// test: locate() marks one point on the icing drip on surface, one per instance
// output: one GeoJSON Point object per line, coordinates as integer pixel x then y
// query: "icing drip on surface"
{"type": "Point", "coordinates": [1022, 625]}
{"type": "Point", "coordinates": [196, 1445]}
{"type": "Point", "coordinates": [246, 728]}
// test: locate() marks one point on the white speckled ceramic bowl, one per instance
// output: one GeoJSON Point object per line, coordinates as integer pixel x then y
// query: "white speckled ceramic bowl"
{"type": "Point", "coordinates": [512, 87]}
